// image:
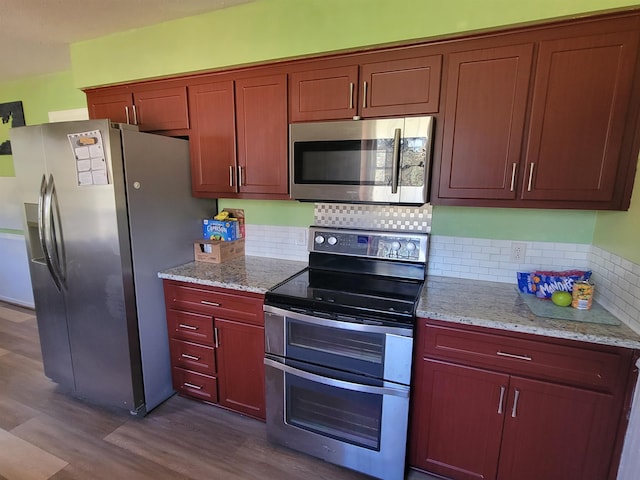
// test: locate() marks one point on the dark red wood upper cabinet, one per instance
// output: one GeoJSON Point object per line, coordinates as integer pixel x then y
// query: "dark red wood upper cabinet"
{"type": "Point", "coordinates": [484, 118]}
{"type": "Point", "coordinates": [372, 86]}
{"type": "Point", "coordinates": [161, 109]}
{"type": "Point", "coordinates": [117, 107]}
{"type": "Point", "coordinates": [262, 130]}
{"type": "Point", "coordinates": [457, 419]}
{"type": "Point", "coordinates": [578, 116]}
{"type": "Point", "coordinates": [213, 138]}
{"type": "Point", "coordinates": [324, 93]}
{"type": "Point", "coordinates": [400, 87]}
{"type": "Point", "coordinates": [150, 107]}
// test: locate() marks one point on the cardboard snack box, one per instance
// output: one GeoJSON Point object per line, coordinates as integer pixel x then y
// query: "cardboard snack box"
{"type": "Point", "coordinates": [217, 251]}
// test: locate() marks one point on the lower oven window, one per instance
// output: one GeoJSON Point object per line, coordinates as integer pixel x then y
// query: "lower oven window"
{"type": "Point", "coordinates": [346, 415]}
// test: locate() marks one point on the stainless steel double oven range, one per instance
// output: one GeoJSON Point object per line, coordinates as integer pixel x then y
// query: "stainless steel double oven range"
{"type": "Point", "coordinates": [338, 349]}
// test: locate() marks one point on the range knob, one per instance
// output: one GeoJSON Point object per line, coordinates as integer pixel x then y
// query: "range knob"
{"type": "Point", "coordinates": [332, 240]}
{"type": "Point", "coordinates": [411, 246]}
{"type": "Point", "coordinates": [319, 239]}
{"type": "Point", "coordinates": [395, 246]}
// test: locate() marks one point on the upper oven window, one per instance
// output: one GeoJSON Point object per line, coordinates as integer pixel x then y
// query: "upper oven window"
{"type": "Point", "coordinates": [353, 351]}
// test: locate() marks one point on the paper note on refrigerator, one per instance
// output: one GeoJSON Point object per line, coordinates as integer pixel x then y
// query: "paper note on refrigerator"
{"type": "Point", "coordinates": [91, 166]}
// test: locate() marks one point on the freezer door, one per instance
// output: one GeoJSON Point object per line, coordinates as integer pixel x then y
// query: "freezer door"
{"type": "Point", "coordinates": [96, 263]}
{"type": "Point", "coordinates": [30, 167]}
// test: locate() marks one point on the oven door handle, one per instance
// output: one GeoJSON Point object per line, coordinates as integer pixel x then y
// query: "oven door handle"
{"type": "Point", "coordinates": [396, 391]}
{"type": "Point", "coordinates": [342, 324]}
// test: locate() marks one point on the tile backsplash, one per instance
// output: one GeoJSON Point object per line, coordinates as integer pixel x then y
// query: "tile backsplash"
{"type": "Point", "coordinates": [617, 280]}
{"type": "Point", "coordinates": [617, 287]}
{"type": "Point", "coordinates": [486, 259]}
{"type": "Point", "coordinates": [374, 217]}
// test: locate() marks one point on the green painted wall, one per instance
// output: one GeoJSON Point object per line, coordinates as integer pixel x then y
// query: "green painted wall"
{"type": "Point", "coordinates": [568, 226]}
{"type": "Point", "coordinates": [286, 213]}
{"type": "Point", "coordinates": [264, 30]}
{"type": "Point", "coordinates": [274, 29]}
{"type": "Point", "coordinates": [619, 232]}
{"type": "Point", "coordinates": [40, 95]}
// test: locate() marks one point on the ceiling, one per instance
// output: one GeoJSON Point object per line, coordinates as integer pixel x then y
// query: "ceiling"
{"type": "Point", "coordinates": [35, 34]}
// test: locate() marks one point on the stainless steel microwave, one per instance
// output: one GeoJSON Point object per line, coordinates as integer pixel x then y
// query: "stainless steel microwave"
{"type": "Point", "coordinates": [361, 161]}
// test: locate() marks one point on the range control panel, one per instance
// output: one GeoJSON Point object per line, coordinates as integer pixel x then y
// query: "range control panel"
{"type": "Point", "coordinates": [370, 243]}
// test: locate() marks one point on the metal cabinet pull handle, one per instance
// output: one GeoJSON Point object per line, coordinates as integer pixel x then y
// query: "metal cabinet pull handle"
{"type": "Point", "coordinates": [530, 176]}
{"type": "Point", "coordinates": [501, 401]}
{"type": "Point", "coordinates": [191, 385]}
{"type": "Point", "coordinates": [364, 95]}
{"type": "Point", "coordinates": [513, 176]}
{"type": "Point", "coordinates": [395, 170]}
{"type": "Point", "coordinates": [126, 111]}
{"type": "Point", "coordinates": [213, 304]}
{"type": "Point", "coordinates": [188, 327]}
{"type": "Point", "coordinates": [515, 404]}
{"type": "Point", "coordinates": [135, 115]}
{"type": "Point", "coordinates": [190, 357]}
{"type": "Point", "coordinates": [351, 95]}
{"type": "Point", "coordinates": [511, 355]}
{"type": "Point", "coordinates": [215, 337]}
{"type": "Point", "coordinates": [231, 175]}
{"type": "Point", "coordinates": [239, 175]}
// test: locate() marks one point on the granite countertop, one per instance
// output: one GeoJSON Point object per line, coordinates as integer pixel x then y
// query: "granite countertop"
{"type": "Point", "coordinates": [249, 274]}
{"type": "Point", "coordinates": [499, 305]}
{"type": "Point", "coordinates": [471, 302]}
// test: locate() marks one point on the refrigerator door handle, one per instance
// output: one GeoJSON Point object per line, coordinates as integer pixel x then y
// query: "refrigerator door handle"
{"type": "Point", "coordinates": [46, 230]}
{"type": "Point", "coordinates": [42, 231]}
{"type": "Point", "coordinates": [58, 256]}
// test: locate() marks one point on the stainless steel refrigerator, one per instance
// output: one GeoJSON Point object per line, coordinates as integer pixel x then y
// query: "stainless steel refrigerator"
{"type": "Point", "coordinates": [105, 209]}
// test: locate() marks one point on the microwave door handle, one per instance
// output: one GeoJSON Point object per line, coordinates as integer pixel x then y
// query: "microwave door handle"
{"type": "Point", "coordinates": [395, 172]}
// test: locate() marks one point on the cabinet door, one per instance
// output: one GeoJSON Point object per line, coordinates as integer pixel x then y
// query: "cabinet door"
{"type": "Point", "coordinates": [486, 99]}
{"type": "Point", "coordinates": [580, 100]}
{"type": "Point", "coordinates": [116, 107]}
{"type": "Point", "coordinates": [458, 414]}
{"type": "Point", "coordinates": [262, 134]}
{"type": "Point", "coordinates": [240, 357]}
{"type": "Point", "coordinates": [161, 109]}
{"type": "Point", "coordinates": [556, 432]}
{"type": "Point", "coordinates": [401, 87]}
{"type": "Point", "coordinates": [212, 139]}
{"type": "Point", "coordinates": [324, 94]}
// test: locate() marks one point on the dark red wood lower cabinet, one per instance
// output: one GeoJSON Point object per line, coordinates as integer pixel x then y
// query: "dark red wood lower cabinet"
{"type": "Point", "coordinates": [241, 367]}
{"type": "Point", "coordinates": [556, 432]}
{"type": "Point", "coordinates": [458, 410]}
{"type": "Point", "coordinates": [493, 406]}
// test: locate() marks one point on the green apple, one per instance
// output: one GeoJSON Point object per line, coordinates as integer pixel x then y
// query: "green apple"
{"type": "Point", "coordinates": [560, 298]}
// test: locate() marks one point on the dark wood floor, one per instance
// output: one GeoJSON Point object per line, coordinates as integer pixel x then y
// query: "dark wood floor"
{"type": "Point", "coordinates": [46, 434]}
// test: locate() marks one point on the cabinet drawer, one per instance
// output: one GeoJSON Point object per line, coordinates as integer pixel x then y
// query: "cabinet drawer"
{"type": "Point", "coordinates": [192, 356]}
{"type": "Point", "coordinates": [194, 384]}
{"type": "Point", "coordinates": [245, 307]}
{"type": "Point", "coordinates": [189, 326]}
{"type": "Point", "coordinates": [597, 369]}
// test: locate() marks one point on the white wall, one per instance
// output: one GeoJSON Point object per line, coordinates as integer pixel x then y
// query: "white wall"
{"type": "Point", "coordinates": [15, 283]}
